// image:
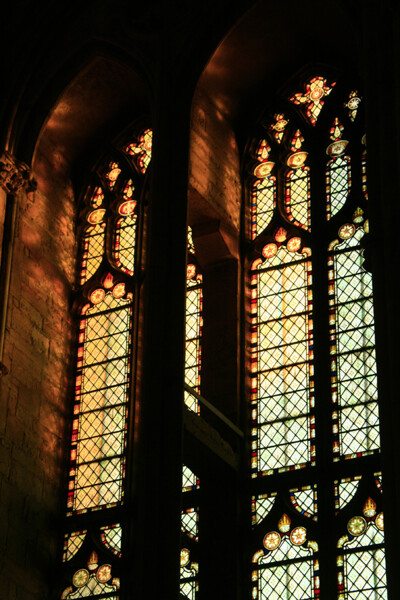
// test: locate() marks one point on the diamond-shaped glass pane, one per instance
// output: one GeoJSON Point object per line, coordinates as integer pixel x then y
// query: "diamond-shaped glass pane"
{"type": "Point", "coordinates": [191, 402]}
{"type": "Point", "coordinates": [353, 339]}
{"type": "Point", "coordinates": [338, 184]}
{"type": "Point", "coordinates": [190, 481]}
{"type": "Point", "coordinates": [193, 342]}
{"type": "Point", "coordinates": [298, 208]}
{"type": "Point", "coordinates": [124, 243]}
{"type": "Point", "coordinates": [98, 483]}
{"type": "Point", "coordinates": [93, 251]}
{"type": "Point", "coordinates": [111, 536]}
{"type": "Point", "coordinates": [265, 201]}
{"type": "Point", "coordinates": [305, 501]}
{"type": "Point", "coordinates": [188, 589]}
{"type": "Point", "coordinates": [291, 582]}
{"type": "Point", "coordinates": [345, 491]}
{"type": "Point", "coordinates": [72, 543]}
{"type": "Point", "coordinates": [282, 358]}
{"type": "Point", "coordinates": [188, 576]}
{"type": "Point", "coordinates": [189, 522]}
{"type": "Point", "coordinates": [284, 443]}
{"type": "Point", "coordinates": [104, 397]}
{"type": "Point", "coordinates": [365, 575]}
{"type": "Point", "coordinates": [360, 428]}
{"type": "Point", "coordinates": [261, 506]}
{"type": "Point", "coordinates": [99, 431]}
{"type": "Point", "coordinates": [104, 375]}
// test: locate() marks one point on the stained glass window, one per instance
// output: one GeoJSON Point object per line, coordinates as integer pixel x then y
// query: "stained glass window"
{"type": "Point", "coordinates": [338, 184]}
{"type": "Point", "coordinates": [338, 172]}
{"type": "Point", "coordinates": [72, 543]}
{"type": "Point", "coordinates": [364, 168]}
{"type": "Point", "coordinates": [297, 197]}
{"type": "Point", "coordinates": [188, 575]}
{"type": "Point", "coordinates": [304, 500]}
{"type": "Point", "coordinates": [190, 481]}
{"type": "Point", "coordinates": [189, 583]}
{"type": "Point", "coordinates": [354, 380]}
{"type": "Point", "coordinates": [345, 490]}
{"type": "Point", "coordinates": [100, 410]}
{"type": "Point", "coordinates": [141, 150]}
{"type": "Point", "coordinates": [263, 192]}
{"type": "Point", "coordinates": [111, 536]}
{"type": "Point", "coordinates": [93, 250]}
{"type": "Point", "coordinates": [194, 323]}
{"type": "Point", "coordinates": [352, 104]}
{"type": "Point", "coordinates": [314, 390]}
{"type": "Point", "coordinates": [282, 360]}
{"type": "Point", "coordinates": [287, 566]}
{"type": "Point", "coordinates": [107, 297]}
{"type": "Point", "coordinates": [261, 506]}
{"type": "Point", "coordinates": [361, 557]}
{"type": "Point", "coordinates": [278, 126]}
{"type": "Point", "coordinates": [125, 230]}
{"type": "Point", "coordinates": [313, 97]}
{"type": "Point", "coordinates": [190, 518]}
{"type": "Point", "coordinates": [93, 580]}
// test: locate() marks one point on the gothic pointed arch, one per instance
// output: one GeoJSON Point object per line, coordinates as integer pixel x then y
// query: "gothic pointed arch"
{"type": "Point", "coordinates": [94, 181]}
{"type": "Point", "coordinates": [314, 394]}
{"type": "Point", "coordinates": [112, 217]}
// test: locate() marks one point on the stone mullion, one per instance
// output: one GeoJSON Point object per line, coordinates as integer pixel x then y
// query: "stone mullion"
{"type": "Point", "coordinates": [323, 399]}
{"type": "Point", "coordinates": [153, 537]}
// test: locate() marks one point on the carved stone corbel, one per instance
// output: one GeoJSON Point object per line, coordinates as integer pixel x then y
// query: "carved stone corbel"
{"type": "Point", "coordinates": [15, 176]}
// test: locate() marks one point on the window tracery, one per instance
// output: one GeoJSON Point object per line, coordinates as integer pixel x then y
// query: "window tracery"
{"type": "Point", "coordinates": [287, 565]}
{"type": "Point", "coordinates": [313, 337]}
{"type": "Point", "coordinates": [282, 397]}
{"type": "Point", "coordinates": [194, 324]}
{"type": "Point", "coordinates": [361, 555]}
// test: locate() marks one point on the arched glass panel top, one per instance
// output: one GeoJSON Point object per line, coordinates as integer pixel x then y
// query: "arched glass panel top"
{"type": "Point", "coordinates": [313, 374]}
{"type": "Point", "coordinates": [111, 234]}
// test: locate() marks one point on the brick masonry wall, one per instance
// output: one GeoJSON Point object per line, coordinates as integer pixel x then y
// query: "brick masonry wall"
{"type": "Point", "coordinates": [34, 394]}
{"type": "Point", "coordinates": [214, 213]}
{"type": "Point", "coordinates": [214, 165]}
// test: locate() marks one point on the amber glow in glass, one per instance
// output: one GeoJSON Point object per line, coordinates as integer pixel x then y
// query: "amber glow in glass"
{"type": "Point", "coordinates": [194, 323]}
{"type": "Point", "coordinates": [282, 360]}
{"type": "Point", "coordinates": [97, 451]}
{"type": "Point", "coordinates": [297, 201]}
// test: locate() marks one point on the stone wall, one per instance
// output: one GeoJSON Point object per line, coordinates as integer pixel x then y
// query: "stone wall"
{"type": "Point", "coordinates": [214, 213]}
{"type": "Point", "coordinates": [34, 393]}
{"type": "Point", "coordinates": [214, 181]}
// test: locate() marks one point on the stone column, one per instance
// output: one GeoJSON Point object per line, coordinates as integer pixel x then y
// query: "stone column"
{"type": "Point", "coordinates": [154, 531]}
